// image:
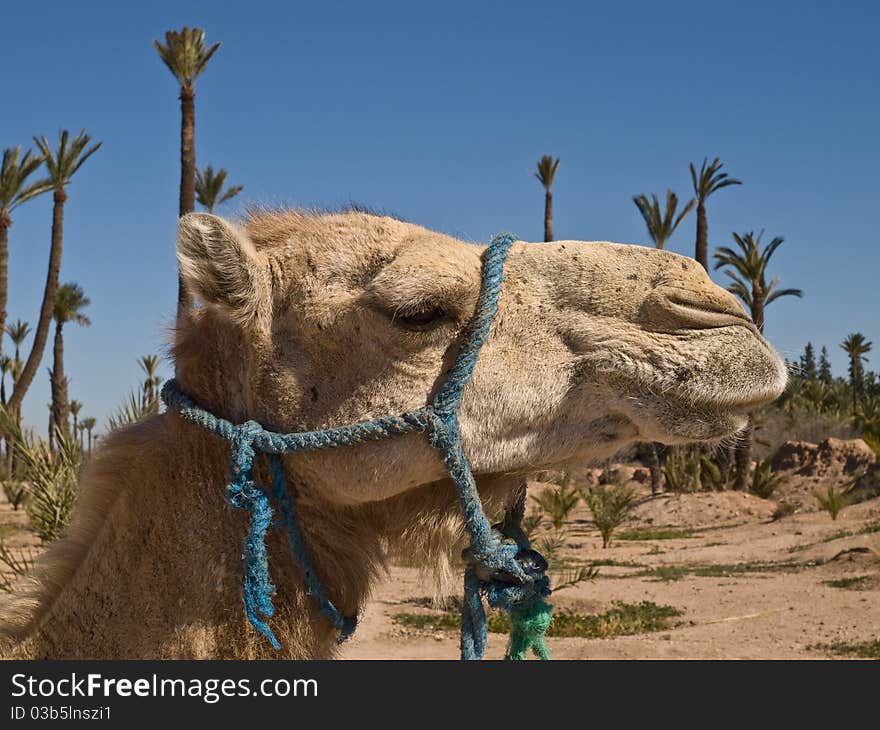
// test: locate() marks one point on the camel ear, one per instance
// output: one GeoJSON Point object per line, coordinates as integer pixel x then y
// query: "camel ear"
{"type": "Point", "coordinates": [220, 265]}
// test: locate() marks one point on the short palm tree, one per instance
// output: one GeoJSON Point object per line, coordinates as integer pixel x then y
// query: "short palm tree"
{"type": "Point", "coordinates": [856, 347]}
{"type": "Point", "coordinates": [546, 173]}
{"type": "Point", "coordinates": [88, 424]}
{"type": "Point", "coordinates": [186, 56]}
{"type": "Point", "coordinates": [14, 190]}
{"type": "Point", "coordinates": [75, 408]}
{"type": "Point", "coordinates": [18, 332]}
{"type": "Point", "coordinates": [709, 180]}
{"type": "Point", "coordinates": [661, 224]}
{"type": "Point", "coordinates": [150, 365]}
{"type": "Point", "coordinates": [62, 163]}
{"type": "Point", "coordinates": [747, 269]}
{"type": "Point", "coordinates": [209, 188]}
{"type": "Point", "coordinates": [70, 302]}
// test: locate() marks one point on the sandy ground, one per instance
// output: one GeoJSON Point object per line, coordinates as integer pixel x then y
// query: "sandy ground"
{"type": "Point", "coordinates": [773, 614]}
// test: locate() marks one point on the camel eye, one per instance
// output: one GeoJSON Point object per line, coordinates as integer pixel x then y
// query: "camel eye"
{"type": "Point", "coordinates": [422, 319]}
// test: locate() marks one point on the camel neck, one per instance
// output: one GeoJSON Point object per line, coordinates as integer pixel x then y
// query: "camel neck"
{"type": "Point", "coordinates": [152, 567]}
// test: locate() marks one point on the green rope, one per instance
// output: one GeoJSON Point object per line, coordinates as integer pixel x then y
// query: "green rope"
{"type": "Point", "coordinates": [528, 626]}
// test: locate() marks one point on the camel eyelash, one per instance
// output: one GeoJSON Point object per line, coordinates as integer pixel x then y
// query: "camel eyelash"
{"type": "Point", "coordinates": [423, 318]}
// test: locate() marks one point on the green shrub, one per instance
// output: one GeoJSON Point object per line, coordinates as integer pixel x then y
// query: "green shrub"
{"type": "Point", "coordinates": [833, 500]}
{"type": "Point", "coordinates": [623, 619]}
{"type": "Point", "coordinates": [691, 469]}
{"type": "Point", "coordinates": [861, 649]}
{"type": "Point", "coordinates": [610, 504]}
{"type": "Point", "coordinates": [15, 493]}
{"type": "Point", "coordinates": [783, 509]}
{"type": "Point", "coordinates": [18, 564]}
{"type": "Point", "coordinates": [764, 480]}
{"type": "Point", "coordinates": [558, 503]}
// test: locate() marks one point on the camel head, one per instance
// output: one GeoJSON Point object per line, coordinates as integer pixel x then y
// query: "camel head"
{"type": "Point", "coordinates": [311, 321]}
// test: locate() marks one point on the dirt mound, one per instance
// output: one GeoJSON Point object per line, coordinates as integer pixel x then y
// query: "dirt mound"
{"type": "Point", "coordinates": [831, 457]}
{"type": "Point", "coordinates": [807, 467]}
{"type": "Point", "coordinates": [703, 509]}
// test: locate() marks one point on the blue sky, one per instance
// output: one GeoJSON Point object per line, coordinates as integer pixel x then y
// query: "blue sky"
{"type": "Point", "coordinates": [438, 112]}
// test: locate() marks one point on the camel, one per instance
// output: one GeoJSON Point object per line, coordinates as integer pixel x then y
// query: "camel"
{"type": "Point", "coordinates": [306, 321]}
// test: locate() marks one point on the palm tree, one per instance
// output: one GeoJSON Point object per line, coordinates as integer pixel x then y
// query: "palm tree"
{"type": "Point", "coordinates": [547, 167]}
{"type": "Point", "coordinates": [70, 302]}
{"type": "Point", "coordinates": [14, 190]}
{"type": "Point", "coordinates": [82, 436]}
{"type": "Point", "coordinates": [209, 188]}
{"type": "Point", "coordinates": [150, 365]}
{"type": "Point", "coordinates": [709, 180]}
{"type": "Point", "coordinates": [661, 224]}
{"type": "Point", "coordinates": [62, 164]}
{"type": "Point", "coordinates": [75, 408]}
{"type": "Point", "coordinates": [186, 56]}
{"type": "Point", "coordinates": [856, 347]}
{"type": "Point", "coordinates": [747, 269]}
{"type": "Point", "coordinates": [88, 424]}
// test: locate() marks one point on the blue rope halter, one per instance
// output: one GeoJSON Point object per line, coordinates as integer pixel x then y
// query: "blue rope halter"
{"type": "Point", "coordinates": [500, 563]}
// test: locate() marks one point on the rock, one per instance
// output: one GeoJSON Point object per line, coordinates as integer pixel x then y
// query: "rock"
{"type": "Point", "coordinates": [641, 475]}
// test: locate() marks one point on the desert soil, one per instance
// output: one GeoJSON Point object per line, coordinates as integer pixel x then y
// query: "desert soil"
{"type": "Point", "coordinates": [777, 613]}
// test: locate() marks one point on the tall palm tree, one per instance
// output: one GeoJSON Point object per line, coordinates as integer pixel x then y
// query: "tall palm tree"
{"type": "Point", "coordinates": [75, 408]}
{"type": "Point", "coordinates": [747, 269]}
{"type": "Point", "coordinates": [88, 424]}
{"type": "Point", "coordinates": [70, 302]}
{"type": "Point", "coordinates": [661, 224]}
{"type": "Point", "coordinates": [709, 180]}
{"type": "Point", "coordinates": [856, 347]}
{"type": "Point", "coordinates": [62, 164]}
{"type": "Point", "coordinates": [81, 438]}
{"type": "Point", "coordinates": [547, 167]}
{"type": "Point", "coordinates": [150, 365]}
{"type": "Point", "coordinates": [186, 56]}
{"type": "Point", "coordinates": [209, 188]}
{"type": "Point", "coordinates": [14, 190]}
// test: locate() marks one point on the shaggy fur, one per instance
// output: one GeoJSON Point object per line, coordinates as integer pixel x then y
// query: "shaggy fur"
{"type": "Point", "coordinates": [309, 321]}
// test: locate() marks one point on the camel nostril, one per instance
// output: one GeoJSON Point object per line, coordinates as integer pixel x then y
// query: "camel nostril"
{"type": "Point", "coordinates": [677, 308]}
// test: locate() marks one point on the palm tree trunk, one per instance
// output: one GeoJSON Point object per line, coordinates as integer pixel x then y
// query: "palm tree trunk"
{"type": "Point", "coordinates": [758, 309]}
{"type": "Point", "coordinates": [187, 175]}
{"type": "Point", "coordinates": [548, 216]}
{"type": "Point", "coordinates": [743, 458]}
{"type": "Point", "coordinates": [51, 430]}
{"type": "Point", "coordinates": [4, 272]}
{"type": "Point", "coordinates": [90, 441]}
{"type": "Point", "coordinates": [702, 249]}
{"type": "Point", "coordinates": [656, 471]}
{"type": "Point", "coordinates": [49, 293]}
{"type": "Point", "coordinates": [854, 369]}
{"type": "Point", "coordinates": [60, 406]}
